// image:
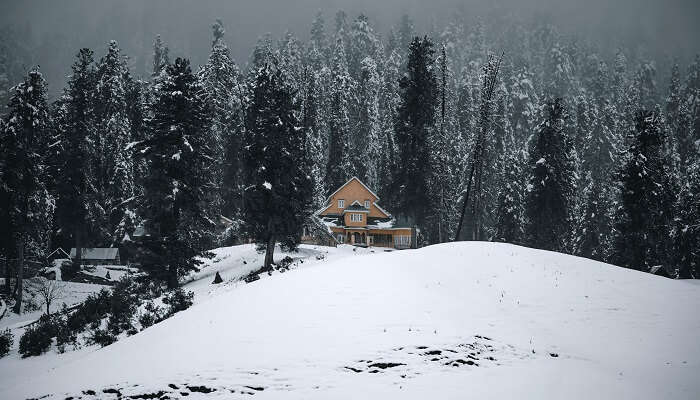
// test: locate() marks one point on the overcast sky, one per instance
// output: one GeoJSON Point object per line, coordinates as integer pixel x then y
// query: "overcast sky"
{"type": "Point", "coordinates": [668, 27]}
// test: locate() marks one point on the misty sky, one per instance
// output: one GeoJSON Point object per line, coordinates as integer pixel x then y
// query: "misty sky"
{"type": "Point", "coordinates": [667, 28]}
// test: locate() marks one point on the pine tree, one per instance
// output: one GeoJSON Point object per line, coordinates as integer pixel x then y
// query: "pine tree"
{"type": "Point", "coordinates": [278, 190]}
{"type": "Point", "coordinates": [290, 60]}
{"type": "Point", "coordinates": [113, 166]}
{"type": "Point", "coordinates": [509, 211]}
{"type": "Point", "coordinates": [180, 182]}
{"type": "Point", "coordinates": [161, 56]}
{"type": "Point", "coordinates": [364, 143]}
{"type": "Point", "coordinates": [221, 80]}
{"type": "Point", "coordinates": [600, 149]}
{"type": "Point", "coordinates": [76, 198]}
{"type": "Point", "coordinates": [641, 237]}
{"type": "Point", "coordinates": [388, 104]}
{"type": "Point", "coordinates": [315, 143]}
{"type": "Point", "coordinates": [339, 169]}
{"type": "Point", "coordinates": [687, 224]}
{"type": "Point", "coordinates": [692, 101]}
{"type": "Point", "coordinates": [23, 148]}
{"type": "Point", "coordinates": [363, 43]}
{"type": "Point", "coordinates": [415, 119]}
{"type": "Point", "coordinates": [548, 201]}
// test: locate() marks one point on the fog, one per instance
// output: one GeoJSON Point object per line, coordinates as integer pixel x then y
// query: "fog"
{"type": "Point", "coordinates": [52, 31]}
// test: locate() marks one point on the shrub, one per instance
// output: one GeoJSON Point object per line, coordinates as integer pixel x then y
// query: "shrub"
{"type": "Point", "coordinates": [123, 305]}
{"type": "Point", "coordinates": [90, 312]}
{"type": "Point", "coordinates": [37, 339]}
{"type": "Point", "coordinates": [152, 315]}
{"type": "Point", "coordinates": [178, 300]}
{"type": "Point", "coordinates": [6, 340]}
{"type": "Point", "coordinates": [101, 337]}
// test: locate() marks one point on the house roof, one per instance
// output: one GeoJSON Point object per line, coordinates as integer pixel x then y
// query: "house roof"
{"type": "Point", "coordinates": [97, 253]}
{"type": "Point", "coordinates": [329, 204]}
{"type": "Point", "coordinates": [346, 183]}
{"type": "Point", "coordinates": [355, 207]}
{"type": "Point", "coordinates": [59, 252]}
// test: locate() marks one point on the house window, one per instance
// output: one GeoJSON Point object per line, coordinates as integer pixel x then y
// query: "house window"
{"type": "Point", "coordinates": [356, 217]}
{"type": "Point", "coordinates": [341, 203]}
{"type": "Point", "coordinates": [402, 241]}
{"type": "Point", "coordinates": [341, 238]}
{"type": "Point", "coordinates": [367, 204]}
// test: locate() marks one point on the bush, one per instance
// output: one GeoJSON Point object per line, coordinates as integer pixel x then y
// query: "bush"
{"type": "Point", "coordinates": [123, 305]}
{"type": "Point", "coordinates": [69, 270]}
{"type": "Point", "coordinates": [152, 315]}
{"type": "Point", "coordinates": [178, 300]}
{"type": "Point", "coordinates": [102, 337]}
{"type": "Point", "coordinates": [37, 339]}
{"type": "Point", "coordinates": [6, 340]}
{"type": "Point", "coordinates": [90, 312]}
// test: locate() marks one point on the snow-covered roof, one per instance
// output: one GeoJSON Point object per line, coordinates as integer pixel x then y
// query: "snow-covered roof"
{"type": "Point", "coordinates": [97, 253]}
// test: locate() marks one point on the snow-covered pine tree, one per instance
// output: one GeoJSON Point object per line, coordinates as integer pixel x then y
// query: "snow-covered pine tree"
{"type": "Point", "coordinates": [75, 188]}
{"type": "Point", "coordinates": [388, 103]}
{"type": "Point", "coordinates": [509, 211]}
{"type": "Point", "coordinates": [339, 169]}
{"type": "Point", "coordinates": [318, 37]}
{"type": "Point", "coordinates": [445, 168]}
{"type": "Point", "coordinates": [364, 143]}
{"type": "Point", "coordinates": [313, 129]}
{"type": "Point", "coordinates": [642, 221]}
{"type": "Point", "coordinates": [523, 104]}
{"type": "Point", "coordinates": [180, 181]}
{"type": "Point", "coordinates": [678, 119]}
{"type": "Point", "coordinates": [414, 122]}
{"type": "Point", "coordinates": [113, 166]}
{"type": "Point", "coordinates": [290, 60]}
{"type": "Point", "coordinates": [23, 147]}
{"type": "Point", "coordinates": [221, 79]}
{"type": "Point", "coordinates": [161, 56]}
{"type": "Point", "coordinates": [278, 187]}
{"type": "Point", "coordinates": [600, 150]}
{"type": "Point", "coordinates": [405, 33]}
{"type": "Point", "coordinates": [318, 53]}
{"type": "Point", "coordinates": [548, 200]}
{"type": "Point", "coordinates": [687, 223]}
{"type": "Point", "coordinates": [363, 43]}
{"type": "Point", "coordinates": [691, 99]}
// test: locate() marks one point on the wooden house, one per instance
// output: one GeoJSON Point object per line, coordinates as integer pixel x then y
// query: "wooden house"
{"type": "Point", "coordinates": [352, 215]}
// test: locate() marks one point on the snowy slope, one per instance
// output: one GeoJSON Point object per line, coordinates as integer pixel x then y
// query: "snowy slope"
{"type": "Point", "coordinates": [453, 321]}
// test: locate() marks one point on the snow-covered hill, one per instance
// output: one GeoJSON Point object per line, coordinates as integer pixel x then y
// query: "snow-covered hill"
{"type": "Point", "coordinates": [452, 321]}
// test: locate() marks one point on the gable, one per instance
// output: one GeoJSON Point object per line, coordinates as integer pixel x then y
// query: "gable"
{"type": "Point", "coordinates": [353, 188]}
{"type": "Point", "coordinates": [353, 191]}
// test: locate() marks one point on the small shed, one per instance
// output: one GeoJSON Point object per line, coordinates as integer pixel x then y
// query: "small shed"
{"type": "Point", "coordinates": [98, 256]}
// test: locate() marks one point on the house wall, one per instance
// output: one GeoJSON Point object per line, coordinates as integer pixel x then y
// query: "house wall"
{"type": "Point", "coordinates": [351, 192]}
{"type": "Point", "coordinates": [384, 237]}
{"type": "Point", "coordinates": [350, 222]}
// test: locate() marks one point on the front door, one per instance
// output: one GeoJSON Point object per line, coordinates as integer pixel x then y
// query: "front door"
{"type": "Point", "coordinates": [357, 238]}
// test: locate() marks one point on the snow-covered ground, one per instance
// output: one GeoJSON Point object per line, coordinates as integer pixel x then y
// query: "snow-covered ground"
{"type": "Point", "coordinates": [452, 321]}
{"type": "Point", "coordinates": [70, 293]}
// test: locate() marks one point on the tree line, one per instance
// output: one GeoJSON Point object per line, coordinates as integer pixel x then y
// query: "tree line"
{"type": "Point", "coordinates": [570, 150]}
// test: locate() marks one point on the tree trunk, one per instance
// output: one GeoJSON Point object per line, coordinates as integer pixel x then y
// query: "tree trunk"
{"type": "Point", "coordinates": [173, 282]}
{"type": "Point", "coordinates": [8, 277]}
{"type": "Point", "coordinates": [78, 250]}
{"type": "Point", "coordinates": [20, 274]}
{"type": "Point", "coordinates": [269, 252]}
